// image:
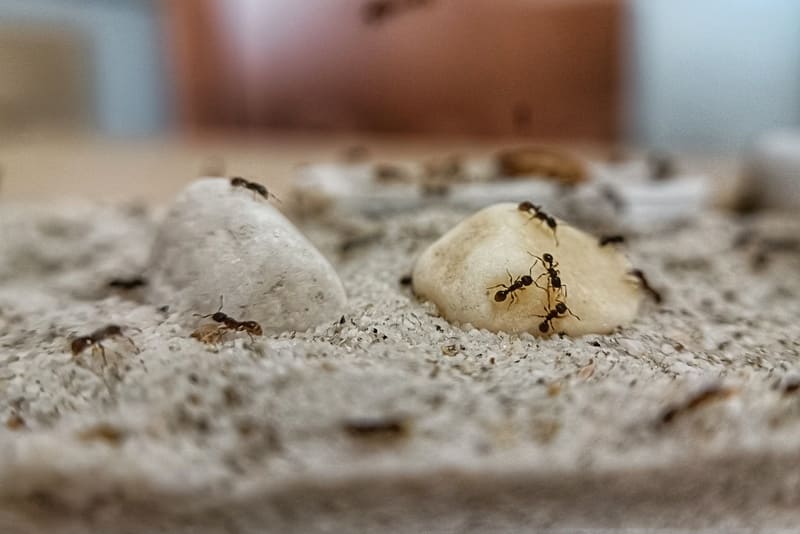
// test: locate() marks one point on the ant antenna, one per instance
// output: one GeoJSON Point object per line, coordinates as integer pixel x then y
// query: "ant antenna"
{"type": "Point", "coordinates": [211, 314]}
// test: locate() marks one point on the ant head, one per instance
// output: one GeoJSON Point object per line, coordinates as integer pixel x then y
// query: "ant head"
{"type": "Point", "coordinates": [500, 296]}
{"type": "Point", "coordinates": [561, 308]}
{"type": "Point", "coordinates": [219, 317]}
{"type": "Point", "coordinates": [113, 330]}
{"type": "Point", "coordinates": [544, 327]}
{"type": "Point", "coordinates": [238, 180]}
{"type": "Point", "coordinates": [547, 257]}
{"type": "Point", "coordinates": [525, 206]}
{"type": "Point", "coordinates": [79, 344]}
{"type": "Point", "coordinates": [551, 222]}
{"type": "Point", "coordinates": [526, 280]}
{"type": "Point", "coordinates": [252, 327]}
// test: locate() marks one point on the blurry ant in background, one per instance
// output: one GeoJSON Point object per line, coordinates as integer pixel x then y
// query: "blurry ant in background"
{"type": "Point", "coordinates": [536, 213]}
{"type": "Point", "coordinates": [388, 173]}
{"type": "Point", "coordinates": [552, 273]}
{"type": "Point", "coordinates": [646, 285]}
{"type": "Point", "coordinates": [513, 286]}
{"type": "Point", "coordinates": [251, 328]}
{"type": "Point", "coordinates": [94, 339]}
{"type": "Point", "coordinates": [127, 284]}
{"type": "Point", "coordinates": [610, 239]}
{"type": "Point", "coordinates": [558, 312]}
{"type": "Point", "coordinates": [377, 11]}
{"type": "Point", "coordinates": [238, 181]}
{"type": "Point", "coordinates": [662, 166]}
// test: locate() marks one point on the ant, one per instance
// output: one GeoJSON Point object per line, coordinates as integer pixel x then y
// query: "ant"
{"type": "Point", "coordinates": [646, 285]}
{"type": "Point", "coordinates": [536, 212]}
{"type": "Point", "coordinates": [389, 427]}
{"type": "Point", "coordinates": [238, 181]}
{"type": "Point", "coordinates": [697, 400]}
{"type": "Point", "coordinates": [514, 285]}
{"type": "Point", "coordinates": [251, 328]}
{"type": "Point", "coordinates": [551, 272]}
{"type": "Point", "coordinates": [127, 283]}
{"type": "Point", "coordinates": [94, 339]}
{"type": "Point", "coordinates": [558, 312]}
{"type": "Point", "coordinates": [662, 166]}
{"type": "Point", "coordinates": [609, 239]}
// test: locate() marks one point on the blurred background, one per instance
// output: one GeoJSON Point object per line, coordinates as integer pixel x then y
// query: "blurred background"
{"type": "Point", "coordinates": [706, 77]}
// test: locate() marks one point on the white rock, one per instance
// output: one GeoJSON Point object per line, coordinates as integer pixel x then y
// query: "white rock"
{"type": "Point", "coordinates": [456, 272]}
{"type": "Point", "coordinates": [219, 240]}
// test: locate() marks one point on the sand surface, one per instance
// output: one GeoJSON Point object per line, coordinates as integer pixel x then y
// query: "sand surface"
{"type": "Point", "coordinates": [489, 432]}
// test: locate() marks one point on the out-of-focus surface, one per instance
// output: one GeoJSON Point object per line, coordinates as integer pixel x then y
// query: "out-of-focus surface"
{"type": "Point", "coordinates": [711, 75]}
{"type": "Point", "coordinates": [44, 80]}
{"type": "Point", "coordinates": [153, 170]}
{"type": "Point", "coordinates": [122, 64]}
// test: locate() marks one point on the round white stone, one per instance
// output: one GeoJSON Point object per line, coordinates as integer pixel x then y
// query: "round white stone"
{"type": "Point", "coordinates": [457, 271]}
{"type": "Point", "coordinates": [223, 241]}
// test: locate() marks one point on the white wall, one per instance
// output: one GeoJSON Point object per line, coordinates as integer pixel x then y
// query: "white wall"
{"type": "Point", "coordinates": [710, 74]}
{"type": "Point", "coordinates": [130, 88]}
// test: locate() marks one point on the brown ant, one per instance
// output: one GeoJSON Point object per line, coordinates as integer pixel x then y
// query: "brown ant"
{"type": "Point", "coordinates": [127, 284]}
{"type": "Point", "coordinates": [552, 273]}
{"type": "Point", "coordinates": [514, 285]}
{"type": "Point", "coordinates": [94, 339]}
{"type": "Point", "coordinates": [376, 11]}
{"type": "Point", "coordinates": [389, 173]}
{"type": "Point", "coordinates": [699, 399]}
{"type": "Point", "coordinates": [238, 181]}
{"type": "Point", "coordinates": [376, 428]}
{"type": "Point", "coordinates": [609, 239]}
{"type": "Point", "coordinates": [646, 285]}
{"type": "Point", "coordinates": [536, 212]}
{"type": "Point", "coordinates": [251, 328]}
{"type": "Point", "coordinates": [558, 312]}
{"type": "Point", "coordinates": [662, 166]}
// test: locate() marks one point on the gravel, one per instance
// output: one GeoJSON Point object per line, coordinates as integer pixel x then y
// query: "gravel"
{"type": "Point", "coordinates": [391, 416]}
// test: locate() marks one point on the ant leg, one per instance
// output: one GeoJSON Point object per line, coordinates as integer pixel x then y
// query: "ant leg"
{"type": "Point", "coordinates": [102, 350]}
{"type": "Point", "coordinates": [555, 237]}
{"type": "Point", "coordinates": [511, 301]}
{"type": "Point", "coordinates": [537, 259]}
{"type": "Point", "coordinates": [129, 340]}
{"type": "Point", "coordinates": [504, 286]}
{"type": "Point", "coordinates": [498, 285]}
{"type": "Point", "coordinates": [536, 283]}
{"type": "Point", "coordinates": [210, 314]}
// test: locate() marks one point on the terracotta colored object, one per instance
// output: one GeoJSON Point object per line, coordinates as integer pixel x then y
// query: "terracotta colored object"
{"type": "Point", "coordinates": [517, 67]}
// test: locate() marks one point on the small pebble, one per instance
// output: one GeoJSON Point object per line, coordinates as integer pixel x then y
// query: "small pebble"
{"type": "Point", "coordinates": [463, 271]}
{"type": "Point", "coordinates": [223, 241]}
